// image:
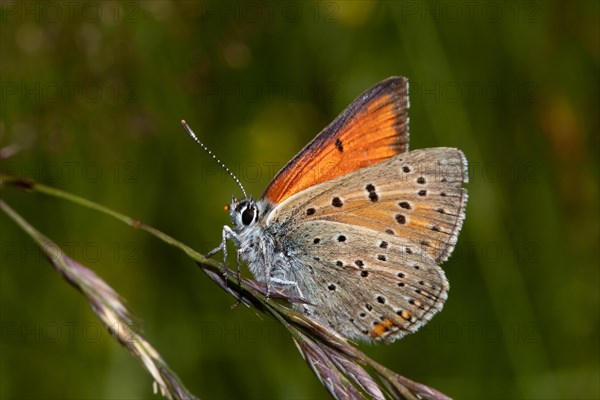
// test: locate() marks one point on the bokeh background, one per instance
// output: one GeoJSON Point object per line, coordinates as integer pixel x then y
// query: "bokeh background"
{"type": "Point", "coordinates": [92, 95]}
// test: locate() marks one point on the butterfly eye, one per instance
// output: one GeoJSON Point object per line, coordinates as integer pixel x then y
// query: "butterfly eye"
{"type": "Point", "coordinates": [248, 215]}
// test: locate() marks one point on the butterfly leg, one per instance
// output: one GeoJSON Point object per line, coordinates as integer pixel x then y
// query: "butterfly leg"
{"type": "Point", "coordinates": [239, 269]}
{"type": "Point", "coordinates": [227, 233]}
{"type": "Point", "coordinates": [285, 283]}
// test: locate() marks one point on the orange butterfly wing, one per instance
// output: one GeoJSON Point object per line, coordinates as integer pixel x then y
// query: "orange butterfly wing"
{"type": "Point", "coordinates": [372, 129]}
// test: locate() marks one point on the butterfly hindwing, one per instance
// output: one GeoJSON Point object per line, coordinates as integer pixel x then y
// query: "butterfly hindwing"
{"type": "Point", "coordinates": [372, 129]}
{"type": "Point", "coordinates": [365, 287]}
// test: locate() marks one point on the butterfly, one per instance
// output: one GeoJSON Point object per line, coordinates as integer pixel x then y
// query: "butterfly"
{"type": "Point", "coordinates": [355, 224]}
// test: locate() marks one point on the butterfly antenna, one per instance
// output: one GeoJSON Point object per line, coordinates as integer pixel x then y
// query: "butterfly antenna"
{"type": "Point", "coordinates": [193, 136]}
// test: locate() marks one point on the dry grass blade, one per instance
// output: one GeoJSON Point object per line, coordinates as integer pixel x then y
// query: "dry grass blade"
{"type": "Point", "coordinates": [108, 306]}
{"type": "Point", "coordinates": [341, 367]}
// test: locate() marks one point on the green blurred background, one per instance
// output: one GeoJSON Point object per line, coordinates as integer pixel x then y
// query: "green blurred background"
{"type": "Point", "coordinates": [92, 95]}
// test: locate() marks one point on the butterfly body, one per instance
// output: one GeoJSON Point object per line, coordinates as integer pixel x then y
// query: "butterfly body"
{"type": "Point", "coordinates": [356, 225]}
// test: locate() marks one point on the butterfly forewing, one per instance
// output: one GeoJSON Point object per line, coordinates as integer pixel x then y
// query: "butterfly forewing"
{"type": "Point", "coordinates": [416, 195]}
{"type": "Point", "coordinates": [373, 128]}
{"type": "Point", "coordinates": [377, 235]}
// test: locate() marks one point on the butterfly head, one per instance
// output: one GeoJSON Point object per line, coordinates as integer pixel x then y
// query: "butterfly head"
{"type": "Point", "coordinates": [243, 213]}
